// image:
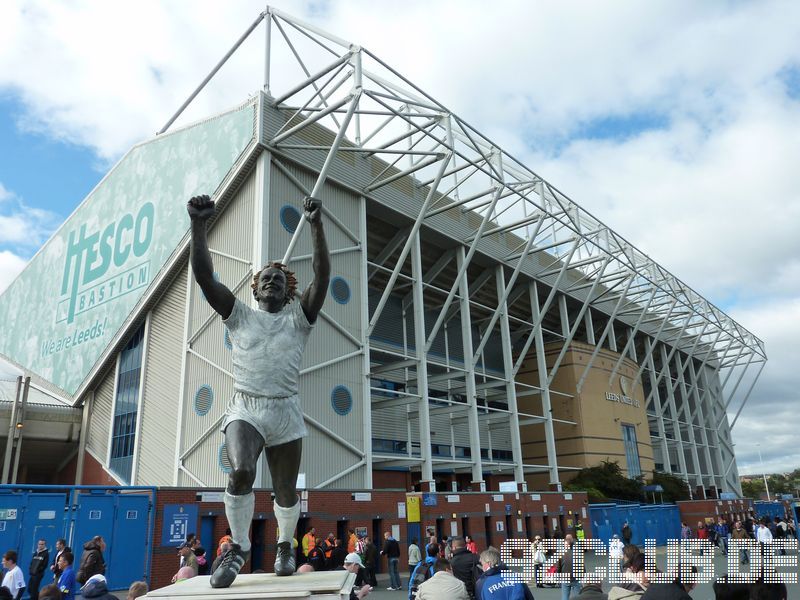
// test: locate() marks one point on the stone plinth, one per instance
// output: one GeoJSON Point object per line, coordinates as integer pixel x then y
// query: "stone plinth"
{"type": "Point", "coordinates": [325, 585]}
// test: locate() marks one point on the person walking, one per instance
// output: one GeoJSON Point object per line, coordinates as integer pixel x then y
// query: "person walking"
{"type": "Point", "coordinates": [13, 579]}
{"type": "Point", "coordinates": [92, 561]}
{"type": "Point", "coordinates": [739, 533]}
{"type": "Point", "coordinates": [423, 571]}
{"type": "Point", "coordinates": [309, 541]}
{"type": "Point", "coordinates": [391, 549]}
{"type": "Point", "coordinates": [465, 565]}
{"type": "Point", "coordinates": [370, 561]}
{"type": "Point", "coordinates": [565, 566]}
{"type": "Point", "coordinates": [443, 584]}
{"type": "Point", "coordinates": [414, 555]}
{"type": "Point", "coordinates": [38, 566]}
{"type": "Point", "coordinates": [471, 545]}
{"type": "Point", "coordinates": [616, 549]}
{"type": "Point", "coordinates": [338, 555]}
{"type": "Point", "coordinates": [316, 557]}
{"type": "Point", "coordinates": [627, 533]}
{"type": "Point", "coordinates": [327, 549]}
{"type": "Point", "coordinates": [66, 581]}
{"type": "Point", "coordinates": [61, 547]}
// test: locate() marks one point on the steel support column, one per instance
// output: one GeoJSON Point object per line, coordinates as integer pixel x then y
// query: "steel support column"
{"type": "Point", "coordinates": [469, 375]}
{"type": "Point", "coordinates": [365, 353]}
{"type": "Point", "coordinates": [508, 370]}
{"type": "Point", "coordinates": [544, 386]}
{"type": "Point", "coordinates": [422, 365]}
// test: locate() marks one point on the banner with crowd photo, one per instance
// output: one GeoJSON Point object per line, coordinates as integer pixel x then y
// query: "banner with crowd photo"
{"type": "Point", "coordinates": [59, 315]}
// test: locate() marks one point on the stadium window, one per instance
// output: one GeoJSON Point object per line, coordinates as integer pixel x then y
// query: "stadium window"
{"type": "Point", "coordinates": [631, 451]}
{"type": "Point", "coordinates": [126, 407]}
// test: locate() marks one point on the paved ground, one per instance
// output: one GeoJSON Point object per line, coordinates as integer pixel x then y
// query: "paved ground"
{"type": "Point", "coordinates": [702, 592]}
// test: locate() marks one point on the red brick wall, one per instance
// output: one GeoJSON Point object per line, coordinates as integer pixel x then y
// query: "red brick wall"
{"type": "Point", "coordinates": [326, 508]}
{"type": "Point", "coordinates": [693, 511]}
{"type": "Point", "coordinates": [94, 473]}
{"type": "Point", "coordinates": [66, 476]}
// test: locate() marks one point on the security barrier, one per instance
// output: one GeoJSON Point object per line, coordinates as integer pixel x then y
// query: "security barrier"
{"type": "Point", "coordinates": [123, 516]}
{"type": "Point", "coordinates": [658, 522]}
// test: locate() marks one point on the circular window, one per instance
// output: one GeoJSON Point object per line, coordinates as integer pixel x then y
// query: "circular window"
{"type": "Point", "coordinates": [290, 218]}
{"type": "Point", "coordinates": [203, 399]}
{"type": "Point", "coordinates": [341, 400]}
{"type": "Point", "coordinates": [227, 340]}
{"type": "Point", "coordinates": [340, 290]}
{"type": "Point", "coordinates": [224, 461]}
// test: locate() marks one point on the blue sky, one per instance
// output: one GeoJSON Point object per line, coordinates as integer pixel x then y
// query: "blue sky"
{"type": "Point", "coordinates": [43, 170]}
{"type": "Point", "coordinates": [674, 122]}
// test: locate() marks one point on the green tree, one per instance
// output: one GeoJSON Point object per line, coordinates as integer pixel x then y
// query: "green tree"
{"type": "Point", "coordinates": [753, 488]}
{"type": "Point", "coordinates": [675, 488]}
{"type": "Point", "coordinates": [606, 482]}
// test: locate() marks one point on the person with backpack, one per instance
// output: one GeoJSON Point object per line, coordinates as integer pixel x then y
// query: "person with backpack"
{"type": "Point", "coordinates": [423, 571]}
{"type": "Point", "coordinates": [443, 584]}
{"type": "Point", "coordinates": [465, 565]}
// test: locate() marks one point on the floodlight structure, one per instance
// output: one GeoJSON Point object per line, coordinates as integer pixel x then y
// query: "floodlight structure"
{"type": "Point", "coordinates": [516, 266]}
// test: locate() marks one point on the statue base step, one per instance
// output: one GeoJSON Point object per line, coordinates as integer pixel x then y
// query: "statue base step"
{"type": "Point", "coordinates": [324, 585]}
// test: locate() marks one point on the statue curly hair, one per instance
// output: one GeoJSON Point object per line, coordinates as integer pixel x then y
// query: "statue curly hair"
{"type": "Point", "coordinates": [291, 280]}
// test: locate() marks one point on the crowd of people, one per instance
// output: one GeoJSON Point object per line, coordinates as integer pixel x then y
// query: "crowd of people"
{"type": "Point", "coordinates": [60, 578]}
{"type": "Point", "coordinates": [451, 568]}
{"type": "Point", "coordinates": [721, 531]}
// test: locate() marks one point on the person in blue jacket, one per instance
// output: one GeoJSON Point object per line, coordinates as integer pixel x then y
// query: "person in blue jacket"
{"type": "Point", "coordinates": [66, 582]}
{"type": "Point", "coordinates": [492, 585]}
{"type": "Point", "coordinates": [422, 571]}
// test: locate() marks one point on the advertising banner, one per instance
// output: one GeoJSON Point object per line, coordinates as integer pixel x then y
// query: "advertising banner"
{"type": "Point", "coordinates": [69, 302]}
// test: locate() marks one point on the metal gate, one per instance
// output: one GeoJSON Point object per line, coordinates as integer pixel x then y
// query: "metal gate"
{"type": "Point", "coordinates": [124, 516]}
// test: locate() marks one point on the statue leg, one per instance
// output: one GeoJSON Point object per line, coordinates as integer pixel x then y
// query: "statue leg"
{"type": "Point", "coordinates": [244, 445]}
{"type": "Point", "coordinates": [284, 464]}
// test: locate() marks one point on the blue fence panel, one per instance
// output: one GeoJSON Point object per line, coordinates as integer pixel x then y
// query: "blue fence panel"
{"type": "Point", "coordinates": [769, 509]}
{"type": "Point", "coordinates": [44, 517]}
{"type": "Point", "coordinates": [94, 515]}
{"type": "Point", "coordinates": [12, 509]}
{"type": "Point", "coordinates": [659, 522]}
{"type": "Point", "coordinates": [601, 517]}
{"type": "Point", "coordinates": [78, 513]}
{"type": "Point", "coordinates": [130, 531]}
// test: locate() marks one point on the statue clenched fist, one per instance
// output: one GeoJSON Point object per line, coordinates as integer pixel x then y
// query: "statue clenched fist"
{"type": "Point", "coordinates": [200, 208]}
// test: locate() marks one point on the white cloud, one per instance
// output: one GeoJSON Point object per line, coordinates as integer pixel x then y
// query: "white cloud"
{"type": "Point", "coordinates": [23, 228]}
{"type": "Point", "coordinates": [11, 265]}
{"type": "Point", "coordinates": [770, 416]}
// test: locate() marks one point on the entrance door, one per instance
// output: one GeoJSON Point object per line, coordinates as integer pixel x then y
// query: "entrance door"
{"type": "Point", "coordinates": [258, 545]}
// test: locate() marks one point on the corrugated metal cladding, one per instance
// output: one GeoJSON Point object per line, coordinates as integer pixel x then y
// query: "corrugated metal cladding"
{"type": "Point", "coordinates": [97, 440]}
{"type": "Point", "coordinates": [161, 392]}
{"type": "Point", "coordinates": [324, 456]}
{"type": "Point", "coordinates": [232, 235]}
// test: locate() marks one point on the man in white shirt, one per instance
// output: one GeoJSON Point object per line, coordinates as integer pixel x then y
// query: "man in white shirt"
{"type": "Point", "coordinates": [763, 534]}
{"type": "Point", "coordinates": [13, 579]}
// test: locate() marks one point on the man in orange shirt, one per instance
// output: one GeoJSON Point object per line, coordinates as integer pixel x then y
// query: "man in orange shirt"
{"type": "Point", "coordinates": [351, 541]}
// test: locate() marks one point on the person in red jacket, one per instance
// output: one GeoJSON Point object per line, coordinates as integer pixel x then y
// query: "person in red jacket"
{"type": "Point", "coordinates": [471, 545]}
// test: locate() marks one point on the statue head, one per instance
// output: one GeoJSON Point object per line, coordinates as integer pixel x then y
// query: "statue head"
{"type": "Point", "coordinates": [274, 284]}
